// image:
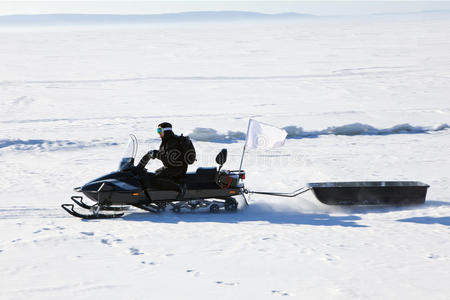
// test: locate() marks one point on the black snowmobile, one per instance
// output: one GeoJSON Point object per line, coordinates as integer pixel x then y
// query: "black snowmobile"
{"type": "Point", "coordinates": [211, 188]}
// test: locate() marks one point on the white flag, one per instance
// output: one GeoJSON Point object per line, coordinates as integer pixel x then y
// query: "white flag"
{"type": "Point", "coordinates": [264, 136]}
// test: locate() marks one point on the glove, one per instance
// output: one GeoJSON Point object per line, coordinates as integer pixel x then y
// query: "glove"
{"type": "Point", "coordinates": [144, 160]}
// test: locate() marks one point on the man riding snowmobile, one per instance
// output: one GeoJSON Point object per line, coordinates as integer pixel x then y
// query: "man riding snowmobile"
{"type": "Point", "coordinates": [175, 152]}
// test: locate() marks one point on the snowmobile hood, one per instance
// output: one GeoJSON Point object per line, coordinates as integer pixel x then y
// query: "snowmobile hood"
{"type": "Point", "coordinates": [108, 185]}
{"type": "Point", "coordinates": [115, 181]}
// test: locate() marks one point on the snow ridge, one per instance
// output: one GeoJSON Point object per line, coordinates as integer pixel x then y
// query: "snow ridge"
{"type": "Point", "coordinates": [296, 132]}
{"type": "Point", "coordinates": [212, 135]}
{"type": "Point", "coordinates": [47, 145]}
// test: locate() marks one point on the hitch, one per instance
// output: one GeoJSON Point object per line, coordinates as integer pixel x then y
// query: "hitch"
{"type": "Point", "coordinates": [278, 194]}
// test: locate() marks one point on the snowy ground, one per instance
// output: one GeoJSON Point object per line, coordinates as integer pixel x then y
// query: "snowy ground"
{"type": "Point", "coordinates": [70, 96]}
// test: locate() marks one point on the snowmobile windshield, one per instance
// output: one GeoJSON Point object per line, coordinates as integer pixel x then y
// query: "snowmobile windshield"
{"type": "Point", "coordinates": [129, 154]}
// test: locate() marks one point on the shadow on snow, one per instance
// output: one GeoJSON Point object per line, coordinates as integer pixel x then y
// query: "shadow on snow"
{"type": "Point", "coordinates": [380, 209]}
{"type": "Point", "coordinates": [248, 216]}
{"type": "Point", "coordinates": [428, 220]}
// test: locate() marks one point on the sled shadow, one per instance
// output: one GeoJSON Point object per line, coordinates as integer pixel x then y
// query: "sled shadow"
{"type": "Point", "coordinates": [247, 216]}
{"type": "Point", "coordinates": [436, 203]}
{"type": "Point", "coordinates": [380, 209]}
{"type": "Point", "coordinates": [428, 220]}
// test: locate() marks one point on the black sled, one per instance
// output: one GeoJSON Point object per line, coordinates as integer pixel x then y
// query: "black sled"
{"type": "Point", "coordinates": [370, 192]}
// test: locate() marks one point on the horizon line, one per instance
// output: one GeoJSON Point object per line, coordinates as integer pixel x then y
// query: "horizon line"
{"type": "Point", "coordinates": [201, 15]}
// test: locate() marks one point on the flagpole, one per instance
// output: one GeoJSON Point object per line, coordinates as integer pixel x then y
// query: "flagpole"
{"type": "Point", "coordinates": [243, 151]}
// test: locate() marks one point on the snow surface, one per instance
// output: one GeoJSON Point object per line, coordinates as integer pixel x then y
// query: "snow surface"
{"type": "Point", "coordinates": [361, 100]}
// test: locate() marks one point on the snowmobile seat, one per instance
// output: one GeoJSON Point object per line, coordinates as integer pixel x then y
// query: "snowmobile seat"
{"type": "Point", "coordinates": [201, 175]}
{"type": "Point", "coordinates": [203, 178]}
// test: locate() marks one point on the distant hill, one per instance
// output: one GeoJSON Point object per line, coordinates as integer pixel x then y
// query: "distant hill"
{"type": "Point", "coordinates": [415, 13]}
{"type": "Point", "coordinates": [195, 16]}
{"type": "Point", "coordinates": [198, 16]}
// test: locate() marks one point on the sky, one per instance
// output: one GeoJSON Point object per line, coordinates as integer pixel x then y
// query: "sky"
{"type": "Point", "coordinates": [318, 7]}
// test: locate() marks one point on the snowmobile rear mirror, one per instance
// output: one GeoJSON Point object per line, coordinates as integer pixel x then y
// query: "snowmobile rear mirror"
{"type": "Point", "coordinates": [221, 158]}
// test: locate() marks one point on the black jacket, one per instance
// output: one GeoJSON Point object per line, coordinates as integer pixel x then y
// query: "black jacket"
{"type": "Point", "coordinates": [170, 153]}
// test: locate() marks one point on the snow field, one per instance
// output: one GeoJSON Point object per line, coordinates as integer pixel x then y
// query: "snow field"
{"type": "Point", "coordinates": [70, 96]}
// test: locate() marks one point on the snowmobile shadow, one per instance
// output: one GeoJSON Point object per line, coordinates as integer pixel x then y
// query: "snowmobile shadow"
{"type": "Point", "coordinates": [247, 216]}
{"type": "Point", "coordinates": [428, 220]}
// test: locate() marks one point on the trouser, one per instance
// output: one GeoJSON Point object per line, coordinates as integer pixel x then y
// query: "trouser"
{"type": "Point", "coordinates": [164, 178]}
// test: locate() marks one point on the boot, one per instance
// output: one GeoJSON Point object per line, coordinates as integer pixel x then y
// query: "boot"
{"type": "Point", "coordinates": [182, 191]}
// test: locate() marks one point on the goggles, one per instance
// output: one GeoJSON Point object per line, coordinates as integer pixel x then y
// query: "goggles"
{"type": "Point", "coordinates": [159, 129]}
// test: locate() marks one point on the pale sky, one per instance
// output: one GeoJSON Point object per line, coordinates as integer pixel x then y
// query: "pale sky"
{"type": "Point", "coordinates": [317, 7]}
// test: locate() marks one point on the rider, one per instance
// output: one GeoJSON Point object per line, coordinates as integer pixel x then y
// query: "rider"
{"type": "Point", "coordinates": [171, 155]}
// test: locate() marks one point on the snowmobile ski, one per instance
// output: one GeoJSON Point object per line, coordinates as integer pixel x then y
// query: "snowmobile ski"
{"type": "Point", "coordinates": [70, 209]}
{"type": "Point", "coordinates": [79, 201]}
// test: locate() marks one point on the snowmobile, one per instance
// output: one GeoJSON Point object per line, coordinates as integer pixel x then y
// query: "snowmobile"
{"type": "Point", "coordinates": [216, 189]}
{"type": "Point", "coordinates": [209, 187]}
